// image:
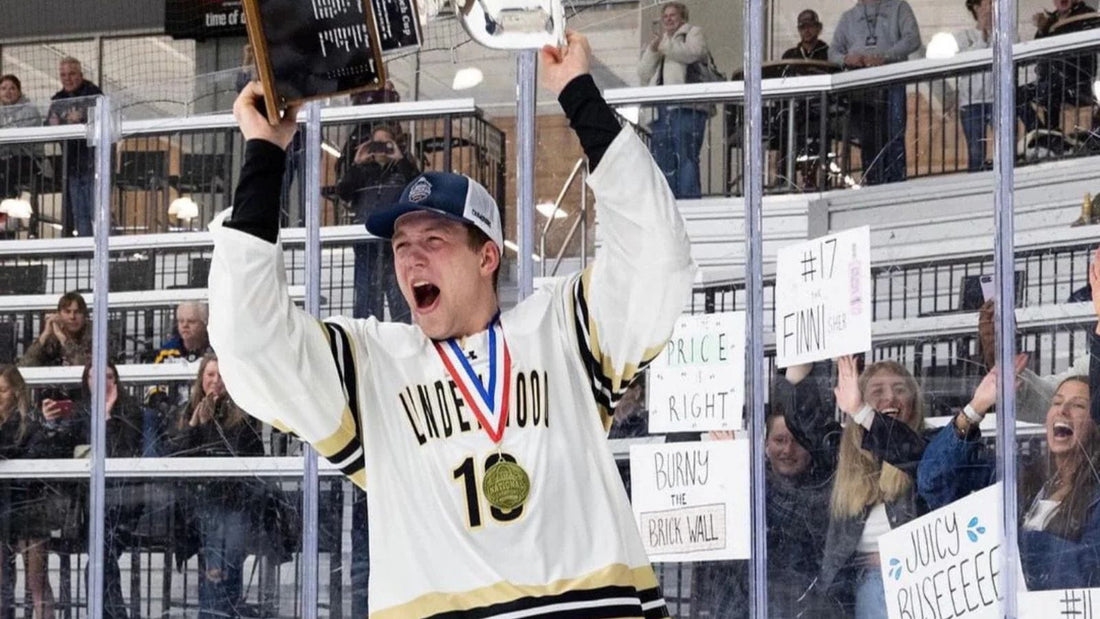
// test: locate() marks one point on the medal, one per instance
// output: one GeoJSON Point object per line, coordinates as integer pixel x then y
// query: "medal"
{"type": "Point", "coordinates": [505, 485]}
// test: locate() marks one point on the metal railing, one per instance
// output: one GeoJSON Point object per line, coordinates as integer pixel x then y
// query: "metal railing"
{"type": "Point", "coordinates": [889, 123]}
{"type": "Point", "coordinates": [159, 161]}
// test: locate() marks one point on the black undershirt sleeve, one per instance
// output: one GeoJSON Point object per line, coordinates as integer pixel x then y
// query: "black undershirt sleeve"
{"type": "Point", "coordinates": [590, 117]}
{"type": "Point", "coordinates": [256, 201]}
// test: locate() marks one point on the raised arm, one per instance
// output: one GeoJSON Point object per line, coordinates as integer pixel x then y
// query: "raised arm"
{"type": "Point", "coordinates": [279, 363]}
{"type": "Point", "coordinates": [625, 303]}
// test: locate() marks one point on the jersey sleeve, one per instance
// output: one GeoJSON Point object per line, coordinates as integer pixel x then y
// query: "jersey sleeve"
{"type": "Point", "coordinates": [626, 302]}
{"type": "Point", "coordinates": [280, 364]}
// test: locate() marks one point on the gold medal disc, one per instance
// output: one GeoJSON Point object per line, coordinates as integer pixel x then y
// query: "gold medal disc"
{"type": "Point", "coordinates": [506, 485]}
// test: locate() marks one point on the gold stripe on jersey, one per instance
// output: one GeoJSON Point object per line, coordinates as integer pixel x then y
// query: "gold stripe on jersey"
{"type": "Point", "coordinates": [639, 579]}
{"type": "Point", "coordinates": [608, 384]}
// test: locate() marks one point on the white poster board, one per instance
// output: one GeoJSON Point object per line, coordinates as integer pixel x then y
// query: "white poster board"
{"type": "Point", "coordinates": [823, 298]}
{"type": "Point", "coordinates": [697, 383]}
{"type": "Point", "coordinates": [1070, 603]}
{"type": "Point", "coordinates": [946, 563]}
{"type": "Point", "coordinates": [691, 500]}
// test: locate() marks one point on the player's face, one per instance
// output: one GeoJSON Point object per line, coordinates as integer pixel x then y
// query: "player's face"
{"type": "Point", "coordinates": [786, 456]}
{"type": "Point", "coordinates": [443, 279]}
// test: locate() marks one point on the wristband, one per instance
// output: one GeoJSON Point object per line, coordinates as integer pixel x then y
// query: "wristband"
{"type": "Point", "coordinates": [864, 416]}
{"type": "Point", "coordinates": [974, 416]}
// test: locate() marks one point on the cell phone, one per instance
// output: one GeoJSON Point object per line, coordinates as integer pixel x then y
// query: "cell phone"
{"type": "Point", "coordinates": [988, 288]}
{"type": "Point", "coordinates": [64, 408]}
{"type": "Point", "coordinates": [380, 147]}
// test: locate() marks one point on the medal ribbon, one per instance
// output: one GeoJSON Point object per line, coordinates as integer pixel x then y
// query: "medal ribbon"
{"type": "Point", "coordinates": [490, 406]}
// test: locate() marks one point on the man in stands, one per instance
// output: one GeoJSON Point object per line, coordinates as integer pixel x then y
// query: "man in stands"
{"type": "Point", "coordinates": [809, 47]}
{"type": "Point", "coordinates": [191, 341]}
{"type": "Point", "coordinates": [70, 107]}
{"type": "Point", "coordinates": [871, 34]}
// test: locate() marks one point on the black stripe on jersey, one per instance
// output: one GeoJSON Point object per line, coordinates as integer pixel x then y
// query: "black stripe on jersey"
{"type": "Point", "coordinates": [579, 596]}
{"type": "Point", "coordinates": [649, 595]}
{"type": "Point", "coordinates": [658, 612]}
{"type": "Point", "coordinates": [340, 346]}
{"type": "Point", "coordinates": [601, 383]}
{"type": "Point", "coordinates": [354, 466]}
{"type": "Point", "coordinates": [346, 452]}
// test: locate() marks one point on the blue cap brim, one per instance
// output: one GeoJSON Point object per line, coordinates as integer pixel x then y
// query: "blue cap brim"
{"type": "Point", "coordinates": [380, 223]}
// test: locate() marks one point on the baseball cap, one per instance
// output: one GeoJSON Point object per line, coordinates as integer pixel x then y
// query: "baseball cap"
{"type": "Point", "coordinates": [808, 17]}
{"type": "Point", "coordinates": [454, 196]}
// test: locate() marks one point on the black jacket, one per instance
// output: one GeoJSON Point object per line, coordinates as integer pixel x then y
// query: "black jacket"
{"type": "Point", "coordinates": [371, 185]}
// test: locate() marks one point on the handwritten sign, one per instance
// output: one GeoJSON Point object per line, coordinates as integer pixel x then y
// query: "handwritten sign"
{"type": "Point", "coordinates": [823, 298]}
{"type": "Point", "coordinates": [691, 500]}
{"type": "Point", "coordinates": [697, 383]}
{"type": "Point", "coordinates": [947, 563]}
{"type": "Point", "coordinates": [1069, 603]}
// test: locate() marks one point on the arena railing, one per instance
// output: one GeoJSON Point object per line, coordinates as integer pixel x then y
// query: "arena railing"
{"type": "Point", "coordinates": [801, 114]}
{"type": "Point", "coordinates": [159, 161]}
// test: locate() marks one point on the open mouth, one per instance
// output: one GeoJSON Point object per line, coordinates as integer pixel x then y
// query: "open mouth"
{"type": "Point", "coordinates": [891, 412]}
{"type": "Point", "coordinates": [1062, 430]}
{"type": "Point", "coordinates": [425, 294]}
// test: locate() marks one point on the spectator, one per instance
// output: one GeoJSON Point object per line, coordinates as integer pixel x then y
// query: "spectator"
{"type": "Point", "coordinates": [27, 513]}
{"type": "Point", "coordinates": [809, 47]}
{"type": "Point", "coordinates": [16, 159]}
{"type": "Point", "coordinates": [976, 89]}
{"type": "Point", "coordinates": [677, 132]}
{"type": "Point", "coordinates": [363, 131]}
{"type": "Point", "coordinates": [220, 512]}
{"type": "Point", "coordinates": [876, 455]}
{"type": "Point", "coordinates": [66, 337]}
{"type": "Point", "coordinates": [190, 342]}
{"type": "Point", "coordinates": [376, 178]}
{"type": "Point", "coordinates": [807, 114]}
{"type": "Point", "coordinates": [70, 106]}
{"type": "Point", "coordinates": [124, 502]}
{"type": "Point", "coordinates": [1059, 520]}
{"type": "Point", "coordinates": [1059, 81]}
{"type": "Point", "coordinates": [797, 505]}
{"type": "Point", "coordinates": [871, 34]}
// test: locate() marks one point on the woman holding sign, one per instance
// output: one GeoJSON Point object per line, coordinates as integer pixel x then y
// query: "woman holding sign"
{"type": "Point", "coordinates": [877, 454]}
{"type": "Point", "coordinates": [1059, 494]}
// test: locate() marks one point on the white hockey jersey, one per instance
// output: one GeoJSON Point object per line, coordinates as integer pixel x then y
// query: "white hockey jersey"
{"type": "Point", "coordinates": [375, 399]}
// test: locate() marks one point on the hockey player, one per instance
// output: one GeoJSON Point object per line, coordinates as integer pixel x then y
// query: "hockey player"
{"type": "Point", "coordinates": [479, 435]}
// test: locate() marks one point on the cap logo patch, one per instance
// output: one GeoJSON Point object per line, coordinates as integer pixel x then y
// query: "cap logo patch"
{"type": "Point", "coordinates": [420, 190]}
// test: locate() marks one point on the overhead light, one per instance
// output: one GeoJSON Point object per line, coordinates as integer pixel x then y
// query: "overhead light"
{"type": "Point", "coordinates": [943, 45]}
{"type": "Point", "coordinates": [16, 208]}
{"type": "Point", "coordinates": [183, 208]}
{"type": "Point", "coordinates": [512, 247]}
{"type": "Point", "coordinates": [331, 149]}
{"type": "Point", "coordinates": [1096, 89]}
{"type": "Point", "coordinates": [546, 209]}
{"type": "Point", "coordinates": [467, 78]}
